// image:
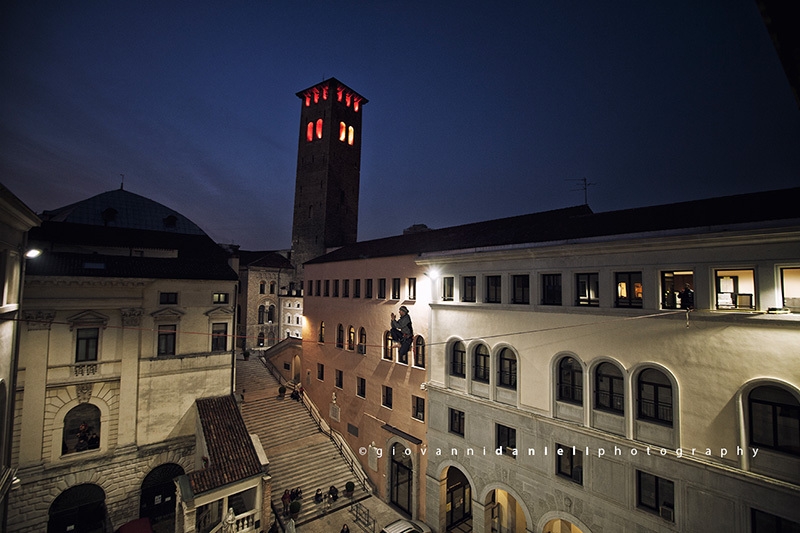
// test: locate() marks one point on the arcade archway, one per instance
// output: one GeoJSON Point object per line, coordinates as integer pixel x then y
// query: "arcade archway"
{"type": "Point", "coordinates": [79, 508]}
{"type": "Point", "coordinates": [158, 494]}
{"type": "Point", "coordinates": [458, 503]}
{"type": "Point", "coordinates": [559, 525]}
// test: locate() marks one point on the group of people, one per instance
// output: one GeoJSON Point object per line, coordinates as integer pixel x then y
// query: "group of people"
{"type": "Point", "coordinates": [332, 495]}
{"type": "Point", "coordinates": [297, 394]}
{"type": "Point", "coordinates": [288, 497]}
{"type": "Point", "coordinates": [87, 439]}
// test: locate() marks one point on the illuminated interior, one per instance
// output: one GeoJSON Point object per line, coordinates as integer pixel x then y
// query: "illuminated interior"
{"type": "Point", "coordinates": [736, 289]}
{"type": "Point", "coordinates": [350, 135]}
{"type": "Point", "coordinates": [319, 128]}
{"type": "Point", "coordinates": [342, 131]}
{"type": "Point", "coordinates": [356, 103]}
{"type": "Point", "coordinates": [310, 132]}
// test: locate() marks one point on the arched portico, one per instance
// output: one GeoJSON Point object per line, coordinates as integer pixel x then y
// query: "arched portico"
{"type": "Point", "coordinates": [456, 490]}
{"type": "Point", "coordinates": [504, 511]}
{"type": "Point", "coordinates": [561, 522]}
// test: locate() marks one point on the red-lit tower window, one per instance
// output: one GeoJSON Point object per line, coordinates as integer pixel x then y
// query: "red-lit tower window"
{"type": "Point", "coordinates": [339, 92]}
{"type": "Point", "coordinates": [351, 133]}
{"type": "Point", "coordinates": [347, 99]}
{"type": "Point", "coordinates": [356, 103]}
{"type": "Point", "coordinates": [319, 128]}
{"type": "Point", "coordinates": [307, 99]}
{"type": "Point", "coordinates": [310, 132]}
{"type": "Point", "coordinates": [325, 92]}
{"type": "Point", "coordinates": [316, 95]}
{"type": "Point", "coordinates": [342, 131]}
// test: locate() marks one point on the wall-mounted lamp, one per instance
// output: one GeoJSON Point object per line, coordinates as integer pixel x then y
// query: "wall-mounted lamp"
{"type": "Point", "coordinates": [433, 274]}
{"type": "Point", "coordinates": [33, 252]}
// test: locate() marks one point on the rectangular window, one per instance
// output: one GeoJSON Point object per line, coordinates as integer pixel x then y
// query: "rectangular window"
{"type": "Point", "coordinates": [569, 464]}
{"type": "Point", "coordinates": [382, 289]}
{"type": "Point", "coordinates": [219, 337]}
{"type": "Point", "coordinates": [346, 288]}
{"type": "Point", "coordinates": [327, 291]}
{"type": "Point", "coordinates": [318, 292]}
{"type": "Point", "coordinates": [338, 378]}
{"type": "Point", "coordinates": [361, 387]}
{"type": "Point", "coordinates": [447, 289]}
{"type": "Point", "coordinates": [761, 522]}
{"type": "Point", "coordinates": [412, 288]}
{"type": "Point", "coordinates": [310, 288]}
{"type": "Point", "coordinates": [221, 297]}
{"type": "Point", "coordinates": [166, 339]}
{"type": "Point", "coordinates": [493, 289]}
{"type": "Point", "coordinates": [386, 396]}
{"type": "Point", "coordinates": [790, 284]}
{"type": "Point", "coordinates": [336, 288]}
{"type": "Point", "coordinates": [551, 289]}
{"type": "Point", "coordinates": [629, 289]}
{"type": "Point", "coordinates": [356, 288]}
{"type": "Point", "coordinates": [588, 289]}
{"type": "Point", "coordinates": [736, 289]}
{"type": "Point", "coordinates": [368, 288]}
{"type": "Point", "coordinates": [395, 288]}
{"type": "Point", "coordinates": [418, 408]}
{"type": "Point", "coordinates": [507, 439]}
{"type": "Point", "coordinates": [168, 298]}
{"type": "Point", "coordinates": [655, 494]}
{"type": "Point", "coordinates": [521, 286]}
{"type": "Point", "coordinates": [468, 289]}
{"type": "Point", "coordinates": [456, 424]}
{"type": "Point", "coordinates": [86, 348]}
{"type": "Point", "coordinates": [677, 289]}
{"type": "Point", "coordinates": [320, 372]}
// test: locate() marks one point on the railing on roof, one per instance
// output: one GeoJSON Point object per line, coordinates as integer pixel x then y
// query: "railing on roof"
{"type": "Point", "coordinates": [335, 437]}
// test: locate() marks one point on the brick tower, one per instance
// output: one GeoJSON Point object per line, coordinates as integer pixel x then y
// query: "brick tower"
{"type": "Point", "coordinates": [328, 171]}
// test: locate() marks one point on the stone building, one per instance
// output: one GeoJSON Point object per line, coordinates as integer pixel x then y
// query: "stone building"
{"type": "Point", "coordinates": [127, 319]}
{"type": "Point", "coordinates": [16, 219]}
{"type": "Point", "coordinates": [585, 371]}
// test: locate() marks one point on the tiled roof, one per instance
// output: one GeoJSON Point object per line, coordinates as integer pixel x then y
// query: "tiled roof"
{"type": "Point", "coordinates": [581, 223]}
{"type": "Point", "coordinates": [231, 454]}
{"type": "Point", "coordinates": [84, 250]}
{"type": "Point", "coordinates": [123, 209]}
{"type": "Point", "coordinates": [264, 259]}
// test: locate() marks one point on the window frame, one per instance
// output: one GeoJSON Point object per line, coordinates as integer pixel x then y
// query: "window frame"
{"type": "Point", "coordinates": [610, 399]}
{"type": "Point", "coordinates": [221, 298]}
{"type": "Point", "coordinates": [507, 369]}
{"type": "Point", "coordinates": [777, 406]}
{"type": "Point", "coordinates": [396, 289]}
{"type": "Point", "coordinates": [481, 364]}
{"type": "Point", "coordinates": [454, 363]}
{"type": "Point", "coordinates": [85, 350]}
{"type": "Point", "coordinates": [219, 337]}
{"type": "Point", "coordinates": [448, 285]}
{"type": "Point", "coordinates": [658, 403]}
{"type": "Point", "coordinates": [506, 436]}
{"type": "Point", "coordinates": [493, 289]}
{"type": "Point", "coordinates": [167, 298]}
{"type": "Point", "coordinates": [659, 500]}
{"type": "Point", "coordinates": [630, 281]}
{"type": "Point", "coordinates": [469, 288]}
{"type": "Point", "coordinates": [456, 424]}
{"type": "Point", "coordinates": [567, 463]}
{"type": "Point", "coordinates": [411, 286]}
{"type": "Point", "coordinates": [587, 289]}
{"type": "Point", "coordinates": [165, 332]}
{"type": "Point", "coordinates": [419, 351]}
{"type": "Point", "coordinates": [570, 391]}
{"type": "Point", "coordinates": [521, 289]}
{"type": "Point", "coordinates": [418, 408]}
{"type": "Point", "coordinates": [387, 396]}
{"type": "Point", "coordinates": [361, 387]}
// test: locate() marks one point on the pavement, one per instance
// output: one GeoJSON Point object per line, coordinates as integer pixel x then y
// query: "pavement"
{"type": "Point", "coordinates": [378, 512]}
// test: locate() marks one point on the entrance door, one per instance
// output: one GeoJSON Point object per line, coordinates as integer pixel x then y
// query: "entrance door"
{"type": "Point", "coordinates": [402, 471]}
{"type": "Point", "coordinates": [158, 493]}
{"type": "Point", "coordinates": [459, 503]}
{"type": "Point", "coordinates": [80, 508]}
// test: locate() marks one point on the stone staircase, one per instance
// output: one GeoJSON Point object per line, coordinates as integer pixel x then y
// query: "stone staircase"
{"type": "Point", "coordinates": [300, 455]}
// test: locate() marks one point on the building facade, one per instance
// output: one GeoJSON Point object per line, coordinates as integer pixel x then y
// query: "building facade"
{"type": "Point", "coordinates": [127, 320]}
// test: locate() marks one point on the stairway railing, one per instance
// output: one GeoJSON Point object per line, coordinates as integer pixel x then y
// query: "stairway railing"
{"type": "Point", "coordinates": [335, 437]}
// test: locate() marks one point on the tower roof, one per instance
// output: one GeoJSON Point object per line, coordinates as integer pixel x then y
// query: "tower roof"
{"type": "Point", "coordinates": [331, 83]}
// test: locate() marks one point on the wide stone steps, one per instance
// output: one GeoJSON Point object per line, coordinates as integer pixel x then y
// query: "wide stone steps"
{"type": "Point", "coordinates": [300, 455]}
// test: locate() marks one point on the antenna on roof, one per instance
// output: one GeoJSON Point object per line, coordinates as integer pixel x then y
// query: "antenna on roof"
{"type": "Point", "coordinates": [585, 187]}
{"type": "Point", "coordinates": [122, 183]}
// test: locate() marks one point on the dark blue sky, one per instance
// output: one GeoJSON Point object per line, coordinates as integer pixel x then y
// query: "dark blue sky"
{"type": "Point", "coordinates": [475, 112]}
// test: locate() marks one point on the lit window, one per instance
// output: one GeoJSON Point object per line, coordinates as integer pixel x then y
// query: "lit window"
{"type": "Point", "coordinates": [419, 352]}
{"type": "Point", "coordinates": [447, 288]}
{"type": "Point", "coordinates": [339, 93]}
{"type": "Point", "coordinates": [308, 99]}
{"type": "Point", "coordinates": [736, 289]}
{"type": "Point", "coordinates": [347, 99]}
{"type": "Point", "coordinates": [310, 132]}
{"type": "Point", "coordinates": [790, 282]}
{"type": "Point", "coordinates": [220, 298]}
{"type": "Point", "coordinates": [388, 346]}
{"type": "Point", "coordinates": [629, 289]}
{"type": "Point", "coordinates": [81, 429]}
{"type": "Point", "coordinates": [319, 128]}
{"type": "Point", "coordinates": [322, 332]}
{"type": "Point", "coordinates": [587, 286]}
{"type": "Point", "coordinates": [342, 131]}
{"type": "Point", "coordinates": [350, 135]}
{"type": "Point", "coordinates": [316, 95]}
{"type": "Point", "coordinates": [676, 289]}
{"type": "Point", "coordinates": [351, 338]}
{"type": "Point", "coordinates": [325, 92]}
{"type": "Point", "coordinates": [356, 104]}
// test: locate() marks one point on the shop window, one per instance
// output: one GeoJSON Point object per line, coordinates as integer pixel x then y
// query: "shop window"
{"type": "Point", "coordinates": [736, 289]}
{"type": "Point", "coordinates": [790, 285]}
{"type": "Point", "coordinates": [588, 289]}
{"type": "Point", "coordinates": [609, 388]}
{"type": "Point", "coordinates": [551, 289]}
{"type": "Point", "coordinates": [629, 289]}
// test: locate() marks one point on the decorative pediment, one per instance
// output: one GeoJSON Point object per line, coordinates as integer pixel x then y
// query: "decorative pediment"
{"type": "Point", "coordinates": [168, 314]}
{"type": "Point", "coordinates": [219, 312]}
{"type": "Point", "coordinates": [88, 319]}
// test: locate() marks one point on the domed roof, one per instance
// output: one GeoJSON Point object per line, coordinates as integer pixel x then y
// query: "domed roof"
{"type": "Point", "coordinates": [123, 209]}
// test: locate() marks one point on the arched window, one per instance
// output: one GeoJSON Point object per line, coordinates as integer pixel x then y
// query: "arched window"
{"type": "Point", "coordinates": [388, 346]}
{"type": "Point", "coordinates": [419, 352]}
{"type": "Point", "coordinates": [351, 133]}
{"type": "Point", "coordinates": [319, 128]}
{"type": "Point", "coordinates": [342, 131]}
{"type": "Point", "coordinates": [457, 356]}
{"type": "Point", "coordinates": [322, 332]}
{"type": "Point", "coordinates": [261, 313]}
{"type": "Point", "coordinates": [262, 287]}
{"type": "Point", "coordinates": [340, 336]}
{"type": "Point", "coordinates": [609, 391]}
{"type": "Point", "coordinates": [310, 131]}
{"type": "Point", "coordinates": [272, 287]}
{"type": "Point", "coordinates": [288, 319]}
{"type": "Point", "coordinates": [261, 339]}
{"type": "Point", "coordinates": [362, 341]}
{"type": "Point", "coordinates": [570, 381]}
{"type": "Point", "coordinates": [81, 429]}
{"type": "Point", "coordinates": [351, 338]}
{"type": "Point", "coordinates": [507, 370]}
{"type": "Point", "coordinates": [655, 397]}
{"type": "Point", "coordinates": [774, 419]}
{"type": "Point", "coordinates": [271, 314]}
{"type": "Point", "coordinates": [480, 363]}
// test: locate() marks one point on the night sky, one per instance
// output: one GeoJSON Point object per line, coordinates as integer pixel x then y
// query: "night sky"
{"type": "Point", "coordinates": [475, 111]}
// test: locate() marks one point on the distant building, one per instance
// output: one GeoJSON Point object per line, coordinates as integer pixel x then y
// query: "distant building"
{"type": "Point", "coordinates": [127, 321]}
{"type": "Point", "coordinates": [16, 219]}
{"type": "Point", "coordinates": [583, 371]}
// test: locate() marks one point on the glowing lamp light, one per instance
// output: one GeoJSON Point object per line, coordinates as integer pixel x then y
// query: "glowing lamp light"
{"type": "Point", "coordinates": [433, 274]}
{"type": "Point", "coordinates": [32, 253]}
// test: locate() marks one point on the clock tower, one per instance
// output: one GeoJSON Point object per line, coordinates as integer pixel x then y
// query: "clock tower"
{"type": "Point", "coordinates": [328, 171]}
